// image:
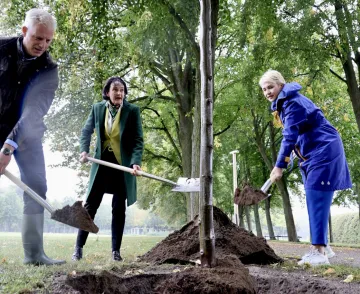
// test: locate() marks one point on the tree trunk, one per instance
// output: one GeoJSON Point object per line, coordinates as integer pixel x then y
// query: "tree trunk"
{"type": "Point", "coordinates": [289, 219]}
{"type": "Point", "coordinates": [357, 190]}
{"type": "Point", "coordinates": [257, 221]}
{"type": "Point", "coordinates": [195, 168]}
{"type": "Point", "coordinates": [331, 237]}
{"type": "Point", "coordinates": [347, 57]}
{"type": "Point", "coordinates": [241, 216]}
{"type": "Point", "coordinates": [206, 226]}
{"type": "Point", "coordinates": [248, 218]}
{"type": "Point", "coordinates": [268, 219]}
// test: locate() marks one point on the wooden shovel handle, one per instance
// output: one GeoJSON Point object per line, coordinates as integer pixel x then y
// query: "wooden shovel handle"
{"type": "Point", "coordinates": [130, 170]}
{"type": "Point", "coordinates": [29, 191]}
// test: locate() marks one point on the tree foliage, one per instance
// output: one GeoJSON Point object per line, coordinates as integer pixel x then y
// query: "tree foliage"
{"type": "Point", "coordinates": [153, 44]}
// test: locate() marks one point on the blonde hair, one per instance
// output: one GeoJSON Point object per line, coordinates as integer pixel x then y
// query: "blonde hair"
{"type": "Point", "coordinates": [272, 76]}
{"type": "Point", "coordinates": [36, 16]}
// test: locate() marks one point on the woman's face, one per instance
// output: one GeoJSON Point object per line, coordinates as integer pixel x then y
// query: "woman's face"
{"type": "Point", "coordinates": [116, 93]}
{"type": "Point", "coordinates": [271, 90]}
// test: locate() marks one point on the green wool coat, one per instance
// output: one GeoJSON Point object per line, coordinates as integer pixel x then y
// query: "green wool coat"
{"type": "Point", "coordinates": [131, 141]}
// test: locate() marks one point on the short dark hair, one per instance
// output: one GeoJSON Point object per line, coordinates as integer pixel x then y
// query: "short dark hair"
{"type": "Point", "coordinates": [107, 86]}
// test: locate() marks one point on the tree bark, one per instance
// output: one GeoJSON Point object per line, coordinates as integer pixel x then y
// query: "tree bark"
{"type": "Point", "coordinates": [195, 168]}
{"type": "Point", "coordinates": [289, 219]}
{"type": "Point", "coordinates": [248, 218]}
{"type": "Point", "coordinates": [349, 48]}
{"type": "Point", "coordinates": [257, 221]}
{"type": "Point", "coordinates": [331, 237]}
{"type": "Point", "coordinates": [268, 220]}
{"type": "Point", "coordinates": [241, 216]}
{"type": "Point", "coordinates": [206, 226]}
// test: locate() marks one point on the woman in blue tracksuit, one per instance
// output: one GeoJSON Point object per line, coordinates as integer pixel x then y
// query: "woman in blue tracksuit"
{"type": "Point", "coordinates": [319, 148]}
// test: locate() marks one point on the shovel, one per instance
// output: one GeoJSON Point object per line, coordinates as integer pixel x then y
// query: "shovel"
{"type": "Point", "coordinates": [182, 185]}
{"type": "Point", "coordinates": [75, 215]}
{"type": "Point", "coordinates": [266, 186]}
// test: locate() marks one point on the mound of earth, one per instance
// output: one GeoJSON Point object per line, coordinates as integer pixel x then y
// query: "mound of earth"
{"type": "Point", "coordinates": [233, 246]}
{"type": "Point", "coordinates": [182, 246]}
{"type": "Point", "coordinates": [159, 279]}
{"type": "Point", "coordinates": [142, 279]}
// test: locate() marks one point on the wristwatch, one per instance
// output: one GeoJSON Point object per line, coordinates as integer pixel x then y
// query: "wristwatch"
{"type": "Point", "coordinates": [6, 151]}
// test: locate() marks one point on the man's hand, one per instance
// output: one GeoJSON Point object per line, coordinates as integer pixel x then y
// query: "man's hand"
{"type": "Point", "coordinates": [276, 174]}
{"type": "Point", "coordinates": [135, 168]}
{"type": "Point", "coordinates": [5, 159]}
{"type": "Point", "coordinates": [83, 157]}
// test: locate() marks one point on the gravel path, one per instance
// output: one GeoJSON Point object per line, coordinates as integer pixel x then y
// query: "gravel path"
{"type": "Point", "coordinates": [344, 255]}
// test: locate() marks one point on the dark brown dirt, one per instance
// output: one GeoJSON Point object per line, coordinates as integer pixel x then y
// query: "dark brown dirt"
{"type": "Point", "coordinates": [248, 195]}
{"type": "Point", "coordinates": [160, 279]}
{"type": "Point", "coordinates": [277, 281]}
{"type": "Point", "coordinates": [183, 246]}
{"type": "Point", "coordinates": [75, 216]}
{"type": "Point", "coordinates": [171, 268]}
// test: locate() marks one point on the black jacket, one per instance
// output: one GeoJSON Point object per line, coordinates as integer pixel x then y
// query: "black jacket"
{"type": "Point", "coordinates": [27, 89]}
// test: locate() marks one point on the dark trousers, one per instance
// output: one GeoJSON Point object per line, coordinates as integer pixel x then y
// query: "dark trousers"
{"type": "Point", "coordinates": [107, 180]}
{"type": "Point", "coordinates": [31, 163]}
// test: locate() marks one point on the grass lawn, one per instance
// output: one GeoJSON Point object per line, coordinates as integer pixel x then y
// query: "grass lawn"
{"type": "Point", "coordinates": [16, 277]}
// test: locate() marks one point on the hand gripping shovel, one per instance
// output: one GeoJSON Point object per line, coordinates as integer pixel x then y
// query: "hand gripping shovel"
{"type": "Point", "coordinates": [182, 185]}
{"type": "Point", "coordinates": [249, 196]}
{"type": "Point", "coordinates": [75, 215]}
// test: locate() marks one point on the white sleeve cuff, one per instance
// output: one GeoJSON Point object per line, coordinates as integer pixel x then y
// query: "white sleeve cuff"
{"type": "Point", "coordinates": [12, 143]}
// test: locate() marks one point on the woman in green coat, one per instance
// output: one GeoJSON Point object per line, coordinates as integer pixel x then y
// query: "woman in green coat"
{"type": "Point", "coordinates": [119, 139]}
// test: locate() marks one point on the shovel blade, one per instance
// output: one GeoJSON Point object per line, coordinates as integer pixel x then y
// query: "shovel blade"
{"type": "Point", "coordinates": [187, 185]}
{"type": "Point", "coordinates": [75, 216]}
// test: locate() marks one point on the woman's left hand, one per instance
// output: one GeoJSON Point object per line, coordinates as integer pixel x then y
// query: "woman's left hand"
{"type": "Point", "coordinates": [135, 168]}
{"type": "Point", "coordinates": [276, 174]}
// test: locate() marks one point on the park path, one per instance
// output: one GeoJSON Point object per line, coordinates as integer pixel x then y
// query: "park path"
{"type": "Point", "coordinates": [344, 255]}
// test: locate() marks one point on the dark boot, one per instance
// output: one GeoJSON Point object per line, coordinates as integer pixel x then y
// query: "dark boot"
{"type": "Point", "coordinates": [78, 254]}
{"type": "Point", "coordinates": [32, 238]}
{"type": "Point", "coordinates": [116, 255]}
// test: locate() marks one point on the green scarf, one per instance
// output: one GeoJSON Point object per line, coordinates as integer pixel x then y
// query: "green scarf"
{"type": "Point", "coordinates": [112, 109]}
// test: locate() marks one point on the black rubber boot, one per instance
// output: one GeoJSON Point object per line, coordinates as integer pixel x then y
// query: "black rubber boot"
{"type": "Point", "coordinates": [32, 238]}
{"type": "Point", "coordinates": [78, 254]}
{"type": "Point", "coordinates": [116, 255]}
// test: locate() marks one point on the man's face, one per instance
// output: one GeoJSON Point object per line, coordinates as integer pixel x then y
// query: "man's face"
{"type": "Point", "coordinates": [116, 93]}
{"type": "Point", "coordinates": [37, 39]}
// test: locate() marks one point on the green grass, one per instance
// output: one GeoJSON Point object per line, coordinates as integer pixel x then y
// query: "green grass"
{"type": "Point", "coordinates": [330, 271]}
{"type": "Point", "coordinates": [18, 278]}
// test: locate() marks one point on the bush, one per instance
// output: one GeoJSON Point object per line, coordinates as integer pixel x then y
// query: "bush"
{"type": "Point", "coordinates": [346, 228]}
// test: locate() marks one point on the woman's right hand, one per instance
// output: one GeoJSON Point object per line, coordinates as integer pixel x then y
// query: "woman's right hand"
{"type": "Point", "coordinates": [83, 157]}
{"type": "Point", "coordinates": [276, 174]}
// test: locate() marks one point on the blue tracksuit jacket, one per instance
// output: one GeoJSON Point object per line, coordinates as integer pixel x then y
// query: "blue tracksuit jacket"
{"type": "Point", "coordinates": [315, 141]}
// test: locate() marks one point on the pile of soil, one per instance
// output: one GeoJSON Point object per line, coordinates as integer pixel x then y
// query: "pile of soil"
{"type": "Point", "coordinates": [75, 216]}
{"type": "Point", "coordinates": [182, 246]}
{"type": "Point", "coordinates": [248, 195]}
{"type": "Point", "coordinates": [171, 268]}
{"type": "Point", "coordinates": [159, 279]}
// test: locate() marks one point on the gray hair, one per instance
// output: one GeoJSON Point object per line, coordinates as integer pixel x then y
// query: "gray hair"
{"type": "Point", "coordinates": [272, 76]}
{"type": "Point", "coordinates": [36, 16]}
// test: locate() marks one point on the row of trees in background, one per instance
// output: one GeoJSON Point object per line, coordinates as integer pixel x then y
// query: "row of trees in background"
{"type": "Point", "coordinates": [154, 45]}
{"type": "Point", "coordinates": [11, 212]}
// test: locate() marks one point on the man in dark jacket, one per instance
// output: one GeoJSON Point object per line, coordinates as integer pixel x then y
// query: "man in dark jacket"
{"type": "Point", "coordinates": [28, 80]}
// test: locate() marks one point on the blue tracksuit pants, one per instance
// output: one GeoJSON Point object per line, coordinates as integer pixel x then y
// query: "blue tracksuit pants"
{"type": "Point", "coordinates": [318, 205]}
